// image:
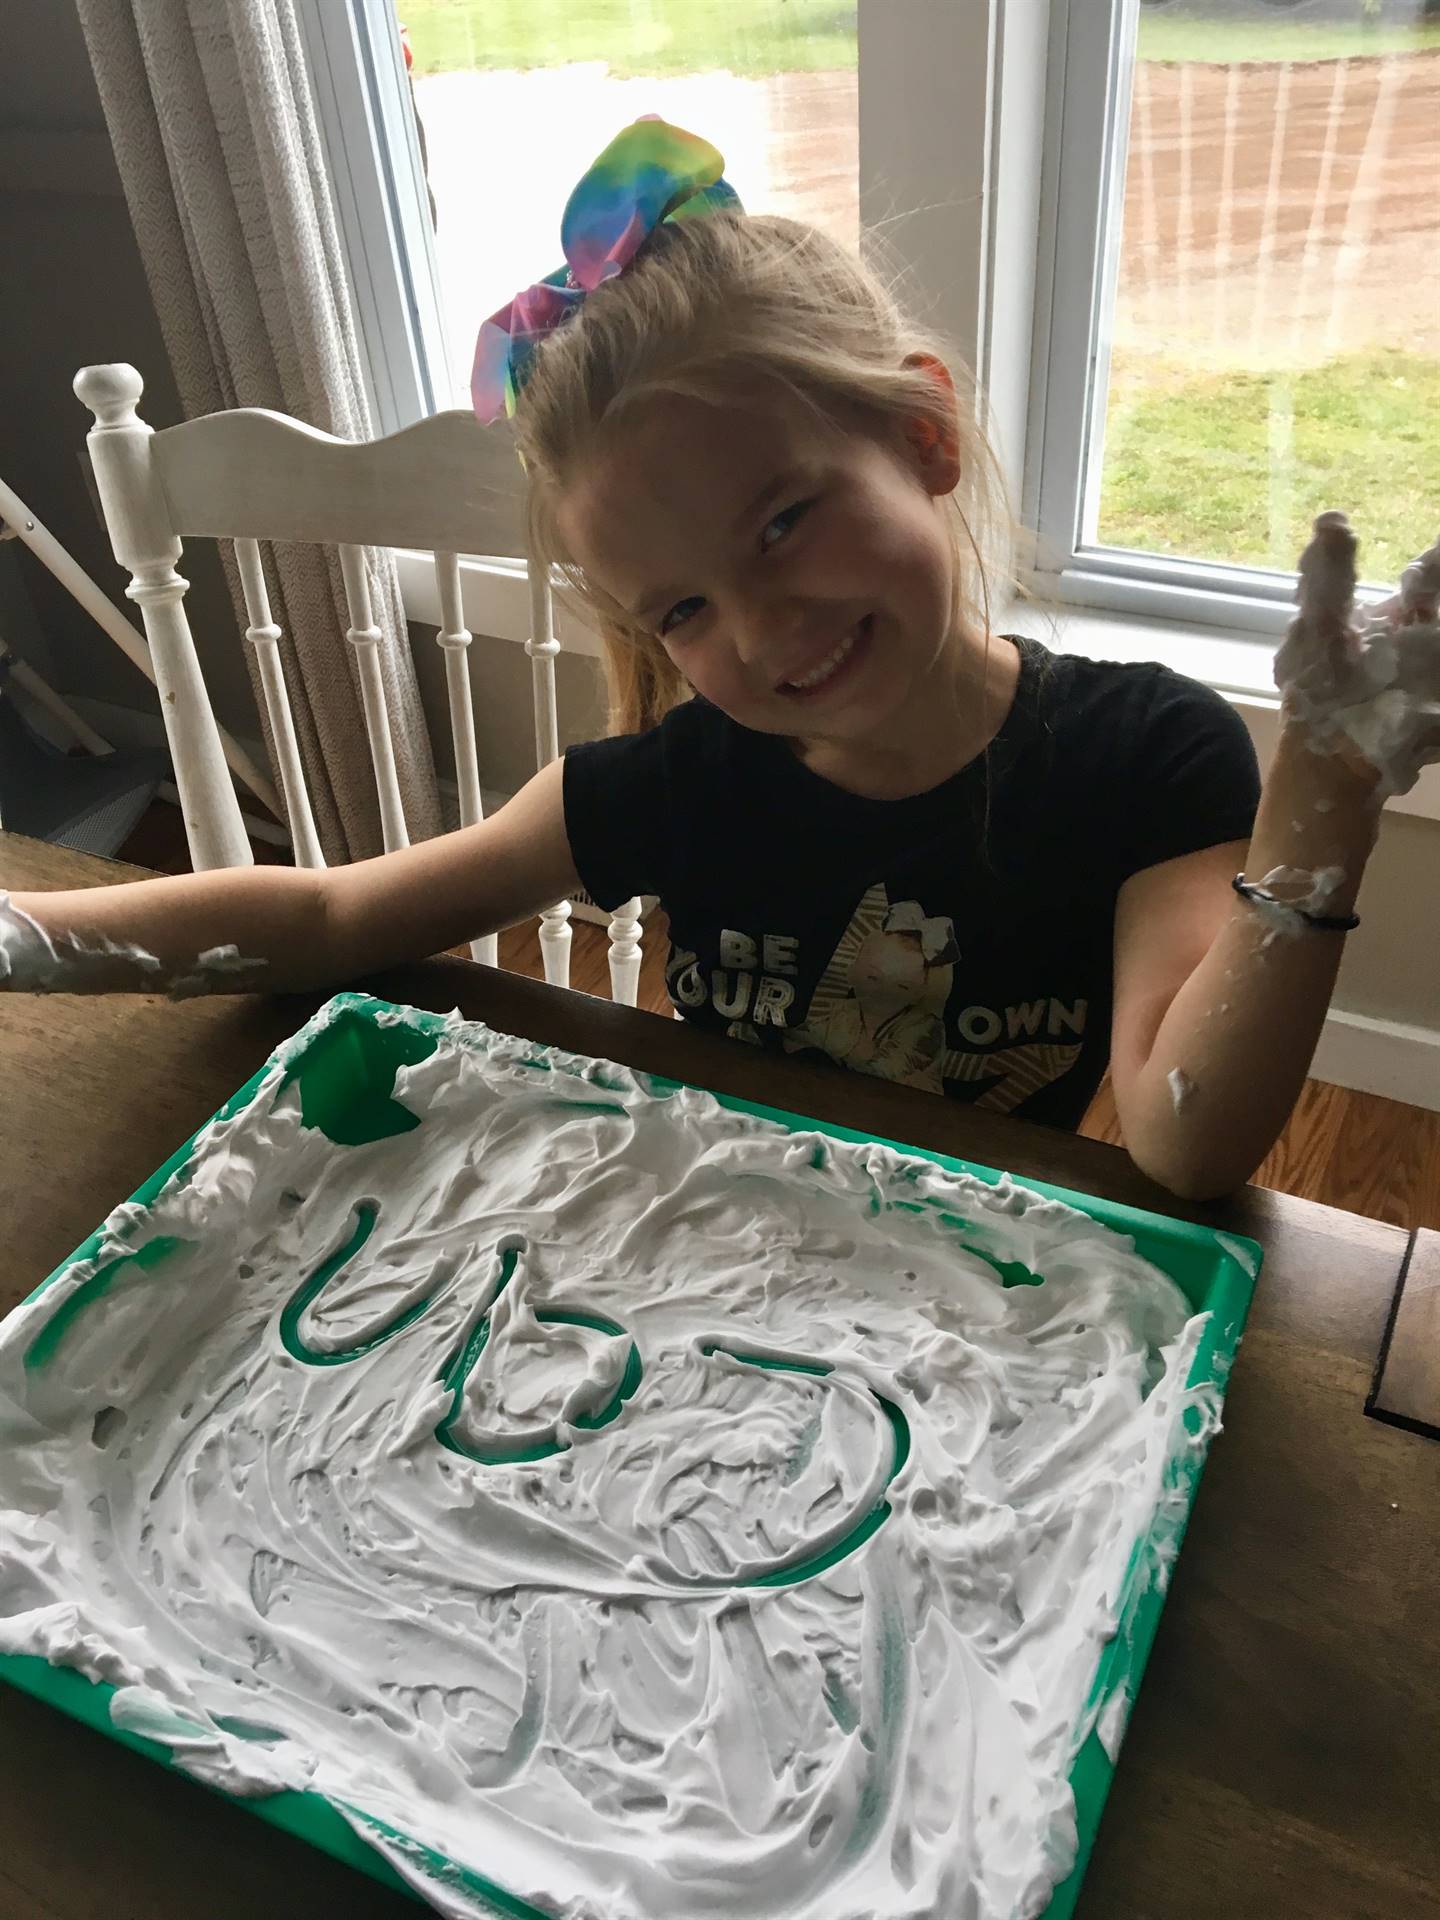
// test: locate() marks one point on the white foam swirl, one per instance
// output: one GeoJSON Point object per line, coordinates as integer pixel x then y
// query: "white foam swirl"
{"type": "Point", "coordinates": [594, 1675]}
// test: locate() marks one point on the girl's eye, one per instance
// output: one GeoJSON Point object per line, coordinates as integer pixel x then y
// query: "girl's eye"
{"type": "Point", "coordinates": [784, 520]}
{"type": "Point", "coordinates": [682, 611]}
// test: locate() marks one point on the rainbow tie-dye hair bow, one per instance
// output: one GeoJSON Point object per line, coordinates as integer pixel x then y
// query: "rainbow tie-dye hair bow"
{"type": "Point", "coordinates": [650, 173]}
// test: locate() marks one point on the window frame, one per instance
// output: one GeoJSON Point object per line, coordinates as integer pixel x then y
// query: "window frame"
{"type": "Point", "coordinates": [1090, 71]}
{"type": "Point", "coordinates": [359, 85]}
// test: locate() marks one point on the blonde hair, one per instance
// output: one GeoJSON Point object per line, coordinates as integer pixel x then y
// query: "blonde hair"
{"type": "Point", "coordinates": [732, 297]}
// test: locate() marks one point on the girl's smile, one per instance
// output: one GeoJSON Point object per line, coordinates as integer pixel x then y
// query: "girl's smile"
{"type": "Point", "coordinates": [834, 668]}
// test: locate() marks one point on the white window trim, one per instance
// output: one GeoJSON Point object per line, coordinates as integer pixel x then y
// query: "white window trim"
{"type": "Point", "coordinates": [953, 90]}
{"type": "Point", "coordinates": [358, 81]}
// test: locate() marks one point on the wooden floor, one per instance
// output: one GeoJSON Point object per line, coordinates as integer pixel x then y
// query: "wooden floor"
{"type": "Point", "coordinates": [1347, 1149]}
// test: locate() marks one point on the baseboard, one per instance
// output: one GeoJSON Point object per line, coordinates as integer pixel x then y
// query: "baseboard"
{"type": "Point", "coordinates": [1380, 1056]}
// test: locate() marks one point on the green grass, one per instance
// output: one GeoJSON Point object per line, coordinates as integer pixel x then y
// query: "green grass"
{"type": "Point", "coordinates": [634, 37]}
{"type": "Point", "coordinates": [1233, 466]}
{"type": "Point", "coordinates": [1170, 36]}
{"type": "Point", "coordinates": [637, 37]}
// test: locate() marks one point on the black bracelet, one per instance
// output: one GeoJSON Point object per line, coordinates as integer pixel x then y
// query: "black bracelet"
{"type": "Point", "coordinates": [1322, 922]}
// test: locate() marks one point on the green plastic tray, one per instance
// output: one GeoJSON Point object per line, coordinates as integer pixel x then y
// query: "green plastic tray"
{"type": "Point", "coordinates": [344, 1062]}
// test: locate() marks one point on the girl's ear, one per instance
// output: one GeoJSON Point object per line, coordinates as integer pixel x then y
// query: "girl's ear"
{"type": "Point", "coordinates": [934, 438]}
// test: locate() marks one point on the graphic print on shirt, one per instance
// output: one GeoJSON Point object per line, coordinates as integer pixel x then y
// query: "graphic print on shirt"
{"type": "Point", "coordinates": [880, 1006]}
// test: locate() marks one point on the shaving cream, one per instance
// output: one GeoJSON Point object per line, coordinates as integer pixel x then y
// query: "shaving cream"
{"type": "Point", "coordinates": [1371, 683]}
{"type": "Point", "coordinates": [34, 960]}
{"type": "Point", "coordinates": [652, 1510]}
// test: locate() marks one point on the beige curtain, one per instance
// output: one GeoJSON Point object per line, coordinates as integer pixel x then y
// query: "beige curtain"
{"type": "Point", "coordinates": [213, 125]}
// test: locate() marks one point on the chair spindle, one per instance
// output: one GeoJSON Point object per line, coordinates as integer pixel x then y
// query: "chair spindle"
{"type": "Point", "coordinates": [454, 640]}
{"type": "Point", "coordinates": [364, 637]}
{"type": "Point", "coordinates": [542, 647]}
{"type": "Point", "coordinates": [264, 636]}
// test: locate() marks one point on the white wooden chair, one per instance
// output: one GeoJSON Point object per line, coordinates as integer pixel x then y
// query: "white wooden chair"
{"type": "Point", "coordinates": [448, 485]}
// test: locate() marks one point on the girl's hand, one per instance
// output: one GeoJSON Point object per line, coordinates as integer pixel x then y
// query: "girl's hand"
{"type": "Point", "coordinates": [32, 962]}
{"type": "Point", "coordinates": [1367, 691]}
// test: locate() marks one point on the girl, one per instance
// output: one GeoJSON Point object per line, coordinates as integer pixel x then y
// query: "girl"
{"type": "Point", "coordinates": [882, 830]}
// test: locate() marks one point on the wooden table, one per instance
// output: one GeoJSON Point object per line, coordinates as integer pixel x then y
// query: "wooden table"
{"type": "Point", "coordinates": [1283, 1759]}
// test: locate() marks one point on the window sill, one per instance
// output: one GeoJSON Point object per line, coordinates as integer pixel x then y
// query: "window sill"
{"type": "Point", "coordinates": [1236, 664]}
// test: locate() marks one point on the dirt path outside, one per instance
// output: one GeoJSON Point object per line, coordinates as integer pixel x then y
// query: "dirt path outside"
{"type": "Point", "coordinates": [1279, 214]}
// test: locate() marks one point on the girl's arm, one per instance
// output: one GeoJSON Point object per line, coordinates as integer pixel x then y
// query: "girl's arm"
{"type": "Point", "coordinates": [285, 929]}
{"type": "Point", "coordinates": [1219, 1002]}
{"type": "Point", "coordinates": [1217, 1006]}
{"type": "Point", "coordinates": [403, 906]}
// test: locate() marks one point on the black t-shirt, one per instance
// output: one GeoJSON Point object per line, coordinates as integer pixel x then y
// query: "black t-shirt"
{"type": "Point", "coordinates": [958, 940]}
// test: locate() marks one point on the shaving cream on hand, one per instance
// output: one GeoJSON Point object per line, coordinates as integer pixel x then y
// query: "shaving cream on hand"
{"type": "Point", "coordinates": [1370, 685]}
{"type": "Point", "coordinates": [35, 961]}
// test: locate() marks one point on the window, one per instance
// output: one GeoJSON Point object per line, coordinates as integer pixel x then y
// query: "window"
{"type": "Point", "coordinates": [1246, 298]}
{"type": "Point", "coordinates": [454, 148]}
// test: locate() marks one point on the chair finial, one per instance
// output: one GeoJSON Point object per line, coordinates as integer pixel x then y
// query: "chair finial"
{"type": "Point", "coordinates": [110, 393]}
